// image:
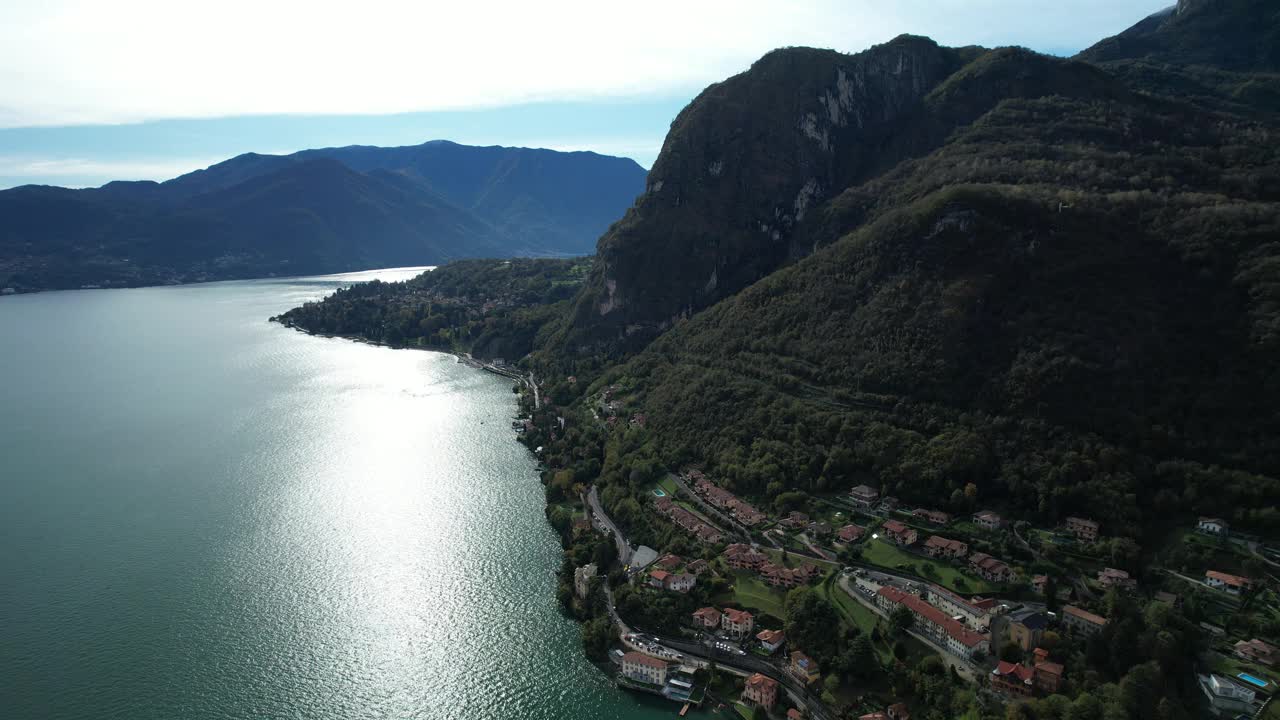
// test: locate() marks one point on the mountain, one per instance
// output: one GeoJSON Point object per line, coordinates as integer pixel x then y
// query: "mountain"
{"type": "Point", "coordinates": [316, 211]}
{"type": "Point", "coordinates": [1220, 54]}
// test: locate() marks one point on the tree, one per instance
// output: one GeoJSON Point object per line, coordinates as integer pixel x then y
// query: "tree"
{"type": "Point", "coordinates": [901, 619]}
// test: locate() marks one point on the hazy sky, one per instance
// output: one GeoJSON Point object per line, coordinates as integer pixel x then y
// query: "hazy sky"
{"type": "Point", "coordinates": [147, 89]}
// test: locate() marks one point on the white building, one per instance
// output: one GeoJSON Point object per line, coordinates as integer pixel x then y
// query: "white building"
{"type": "Point", "coordinates": [1213, 526]}
{"type": "Point", "coordinates": [642, 668]}
{"type": "Point", "coordinates": [1226, 698]}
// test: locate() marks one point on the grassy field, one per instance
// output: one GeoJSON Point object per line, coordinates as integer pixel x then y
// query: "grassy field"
{"type": "Point", "coordinates": [887, 555]}
{"type": "Point", "coordinates": [749, 592]}
{"type": "Point", "coordinates": [668, 486]}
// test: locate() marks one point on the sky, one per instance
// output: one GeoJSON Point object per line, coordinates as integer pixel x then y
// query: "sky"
{"type": "Point", "coordinates": [92, 91]}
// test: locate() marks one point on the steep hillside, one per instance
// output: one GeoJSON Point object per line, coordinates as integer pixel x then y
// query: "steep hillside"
{"type": "Point", "coordinates": [1073, 305]}
{"type": "Point", "coordinates": [315, 211]}
{"type": "Point", "coordinates": [1220, 54]}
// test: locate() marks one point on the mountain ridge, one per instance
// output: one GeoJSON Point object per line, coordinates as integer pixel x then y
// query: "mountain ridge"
{"type": "Point", "coordinates": [521, 201]}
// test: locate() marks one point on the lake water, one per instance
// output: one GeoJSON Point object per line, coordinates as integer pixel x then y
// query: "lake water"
{"type": "Point", "coordinates": [206, 515]}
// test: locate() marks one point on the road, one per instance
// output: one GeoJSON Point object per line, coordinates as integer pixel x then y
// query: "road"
{"type": "Point", "coordinates": [624, 549]}
{"type": "Point", "coordinates": [752, 664]}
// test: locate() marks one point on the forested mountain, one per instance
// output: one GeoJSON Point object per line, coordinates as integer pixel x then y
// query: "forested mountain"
{"type": "Point", "coordinates": [316, 211]}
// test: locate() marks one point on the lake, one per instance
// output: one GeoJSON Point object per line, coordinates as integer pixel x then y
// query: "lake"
{"type": "Point", "coordinates": [206, 515]}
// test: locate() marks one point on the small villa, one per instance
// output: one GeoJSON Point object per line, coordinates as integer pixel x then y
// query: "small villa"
{"type": "Point", "coordinates": [1213, 526]}
{"type": "Point", "coordinates": [988, 520]}
{"type": "Point", "coordinates": [899, 533]}
{"type": "Point", "coordinates": [771, 640]}
{"type": "Point", "coordinates": [1233, 584]}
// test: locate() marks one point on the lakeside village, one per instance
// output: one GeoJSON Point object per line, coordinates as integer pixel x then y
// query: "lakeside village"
{"type": "Point", "coordinates": [742, 608]}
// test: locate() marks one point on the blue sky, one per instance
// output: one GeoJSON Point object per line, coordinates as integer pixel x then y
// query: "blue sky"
{"type": "Point", "coordinates": [150, 89]}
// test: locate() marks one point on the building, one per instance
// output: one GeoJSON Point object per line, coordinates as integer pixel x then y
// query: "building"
{"type": "Point", "coordinates": [864, 496]}
{"type": "Point", "coordinates": [1168, 598]}
{"type": "Point", "coordinates": [988, 520]}
{"type": "Point", "coordinates": [582, 580]}
{"type": "Point", "coordinates": [669, 562]}
{"type": "Point", "coordinates": [785, 577]}
{"type": "Point", "coordinates": [803, 668]}
{"type": "Point", "coordinates": [1048, 675]}
{"type": "Point", "coordinates": [1039, 583]}
{"type": "Point", "coordinates": [1013, 679]}
{"type": "Point", "coordinates": [682, 583]}
{"type": "Point", "coordinates": [1026, 627]}
{"type": "Point", "coordinates": [934, 623]}
{"type": "Point", "coordinates": [642, 668]}
{"type": "Point", "coordinates": [795, 520]}
{"type": "Point", "coordinates": [1111, 577]}
{"type": "Point", "coordinates": [899, 533]}
{"type": "Point", "coordinates": [1233, 584]}
{"type": "Point", "coordinates": [850, 533]}
{"type": "Point", "coordinates": [795, 714]}
{"type": "Point", "coordinates": [737, 623]}
{"type": "Point", "coordinates": [728, 502]}
{"type": "Point", "coordinates": [1085, 530]}
{"type": "Point", "coordinates": [1227, 698]}
{"type": "Point", "coordinates": [1257, 651]}
{"type": "Point", "coordinates": [771, 640]}
{"type": "Point", "coordinates": [820, 529]}
{"type": "Point", "coordinates": [761, 690]}
{"type": "Point", "coordinates": [937, 517]}
{"type": "Point", "coordinates": [1081, 622]}
{"type": "Point", "coordinates": [697, 567]}
{"type": "Point", "coordinates": [659, 579]}
{"type": "Point", "coordinates": [990, 568]}
{"type": "Point", "coordinates": [740, 556]}
{"type": "Point", "coordinates": [939, 547]}
{"type": "Point", "coordinates": [707, 618]}
{"type": "Point", "coordinates": [1213, 526]}
{"type": "Point", "coordinates": [974, 613]}
{"type": "Point", "coordinates": [898, 711]}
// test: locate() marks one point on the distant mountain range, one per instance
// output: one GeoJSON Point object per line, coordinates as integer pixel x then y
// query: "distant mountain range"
{"type": "Point", "coordinates": [315, 211]}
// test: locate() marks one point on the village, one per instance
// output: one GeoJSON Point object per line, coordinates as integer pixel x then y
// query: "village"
{"type": "Point", "coordinates": [1007, 607]}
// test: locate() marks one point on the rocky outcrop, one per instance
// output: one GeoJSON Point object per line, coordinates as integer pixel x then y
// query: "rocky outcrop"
{"type": "Point", "coordinates": [808, 123]}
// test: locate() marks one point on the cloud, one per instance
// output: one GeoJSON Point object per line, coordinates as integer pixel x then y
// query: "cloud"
{"type": "Point", "coordinates": [87, 61]}
{"type": "Point", "coordinates": [85, 172]}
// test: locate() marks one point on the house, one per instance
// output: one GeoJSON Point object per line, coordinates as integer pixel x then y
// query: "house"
{"type": "Point", "coordinates": [937, 517]}
{"type": "Point", "coordinates": [1026, 627]}
{"type": "Point", "coordinates": [1213, 526]}
{"type": "Point", "coordinates": [820, 529]}
{"type": "Point", "coordinates": [582, 580]}
{"type": "Point", "coordinates": [737, 623]}
{"type": "Point", "coordinates": [682, 583]}
{"type": "Point", "coordinates": [1048, 675]}
{"type": "Point", "coordinates": [1257, 651]}
{"type": "Point", "coordinates": [1081, 622]}
{"type": "Point", "coordinates": [934, 623]}
{"type": "Point", "coordinates": [1233, 584]}
{"type": "Point", "coordinates": [803, 668]}
{"type": "Point", "coordinates": [697, 567]}
{"type": "Point", "coordinates": [770, 640]}
{"type": "Point", "coordinates": [1013, 679]}
{"type": "Point", "coordinates": [990, 568]}
{"type": "Point", "coordinates": [740, 556]}
{"type": "Point", "coordinates": [1039, 583]}
{"type": "Point", "coordinates": [659, 579]}
{"type": "Point", "coordinates": [795, 520]}
{"type": "Point", "coordinates": [899, 533]}
{"type": "Point", "coordinates": [795, 714]}
{"type": "Point", "coordinates": [669, 562]}
{"type": "Point", "coordinates": [988, 520]}
{"type": "Point", "coordinates": [939, 547]}
{"type": "Point", "coordinates": [889, 503]}
{"type": "Point", "coordinates": [642, 668]}
{"type": "Point", "coordinates": [761, 690]}
{"type": "Point", "coordinates": [874, 716]}
{"type": "Point", "coordinates": [785, 577]}
{"type": "Point", "coordinates": [1227, 698]}
{"type": "Point", "coordinates": [1113, 578]}
{"type": "Point", "coordinates": [898, 711]}
{"type": "Point", "coordinates": [1168, 598]}
{"type": "Point", "coordinates": [1085, 530]}
{"type": "Point", "coordinates": [864, 496]}
{"type": "Point", "coordinates": [707, 618]}
{"type": "Point", "coordinates": [850, 533]}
